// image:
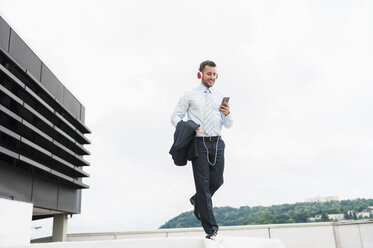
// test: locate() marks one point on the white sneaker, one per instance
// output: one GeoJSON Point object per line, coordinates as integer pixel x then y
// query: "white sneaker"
{"type": "Point", "coordinates": [212, 236]}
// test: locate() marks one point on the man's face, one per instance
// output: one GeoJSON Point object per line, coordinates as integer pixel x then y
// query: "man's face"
{"type": "Point", "coordinates": [209, 76]}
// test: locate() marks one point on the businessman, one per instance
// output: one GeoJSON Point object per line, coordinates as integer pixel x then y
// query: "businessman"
{"type": "Point", "coordinates": [204, 106]}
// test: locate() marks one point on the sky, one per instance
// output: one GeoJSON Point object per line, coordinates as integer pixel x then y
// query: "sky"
{"type": "Point", "coordinates": [299, 77]}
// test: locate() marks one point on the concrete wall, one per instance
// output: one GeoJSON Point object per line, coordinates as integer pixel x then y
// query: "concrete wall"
{"type": "Point", "coordinates": [354, 236]}
{"type": "Point", "coordinates": [308, 235]}
{"type": "Point", "coordinates": [15, 222]}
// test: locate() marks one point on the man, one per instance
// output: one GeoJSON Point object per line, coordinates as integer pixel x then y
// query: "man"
{"type": "Point", "coordinates": [203, 105]}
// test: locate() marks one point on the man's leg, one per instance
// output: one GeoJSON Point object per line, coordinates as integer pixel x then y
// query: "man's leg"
{"type": "Point", "coordinates": [216, 174]}
{"type": "Point", "coordinates": [216, 171]}
{"type": "Point", "coordinates": [201, 172]}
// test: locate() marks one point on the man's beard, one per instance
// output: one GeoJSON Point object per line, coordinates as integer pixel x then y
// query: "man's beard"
{"type": "Point", "coordinates": [206, 84]}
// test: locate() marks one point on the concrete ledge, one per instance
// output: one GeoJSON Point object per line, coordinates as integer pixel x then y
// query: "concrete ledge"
{"type": "Point", "coordinates": [356, 234]}
{"type": "Point", "coordinates": [179, 242]}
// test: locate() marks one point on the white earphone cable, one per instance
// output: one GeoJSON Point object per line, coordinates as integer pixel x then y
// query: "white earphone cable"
{"type": "Point", "coordinates": [216, 151]}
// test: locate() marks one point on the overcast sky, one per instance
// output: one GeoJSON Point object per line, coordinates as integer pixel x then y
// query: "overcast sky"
{"type": "Point", "coordinates": [299, 75]}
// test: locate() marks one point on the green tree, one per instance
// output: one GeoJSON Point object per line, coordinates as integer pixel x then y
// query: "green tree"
{"type": "Point", "coordinates": [284, 213]}
{"type": "Point", "coordinates": [324, 217]}
{"type": "Point", "coordinates": [354, 216]}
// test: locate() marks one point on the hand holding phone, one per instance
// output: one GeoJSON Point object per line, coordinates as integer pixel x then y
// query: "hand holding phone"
{"type": "Point", "coordinates": [224, 107]}
{"type": "Point", "coordinates": [225, 99]}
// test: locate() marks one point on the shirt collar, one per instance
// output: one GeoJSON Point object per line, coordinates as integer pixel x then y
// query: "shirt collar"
{"type": "Point", "coordinates": [202, 88]}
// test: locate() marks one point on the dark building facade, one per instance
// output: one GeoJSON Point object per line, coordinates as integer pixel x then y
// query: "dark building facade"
{"type": "Point", "coordinates": [41, 133]}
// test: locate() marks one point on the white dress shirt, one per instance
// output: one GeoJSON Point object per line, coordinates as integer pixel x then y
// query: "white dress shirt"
{"type": "Point", "coordinates": [192, 104]}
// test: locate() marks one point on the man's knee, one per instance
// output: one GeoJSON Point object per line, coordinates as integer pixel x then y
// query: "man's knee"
{"type": "Point", "coordinates": [216, 185]}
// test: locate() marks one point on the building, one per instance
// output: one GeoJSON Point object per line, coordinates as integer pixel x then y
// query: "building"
{"type": "Point", "coordinates": [351, 212]}
{"type": "Point", "coordinates": [366, 213]}
{"type": "Point", "coordinates": [337, 217]}
{"type": "Point", "coordinates": [322, 199]}
{"type": "Point", "coordinates": [41, 135]}
{"type": "Point", "coordinates": [318, 217]}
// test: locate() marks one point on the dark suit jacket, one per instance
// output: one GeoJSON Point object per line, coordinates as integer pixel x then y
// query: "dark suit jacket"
{"type": "Point", "coordinates": [183, 148]}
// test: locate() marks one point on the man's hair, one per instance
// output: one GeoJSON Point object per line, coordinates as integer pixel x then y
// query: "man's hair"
{"type": "Point", "coordinates": [204, 63]}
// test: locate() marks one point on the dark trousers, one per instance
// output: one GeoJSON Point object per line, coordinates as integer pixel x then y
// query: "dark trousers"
{"type": "Point", "coordinates": [208, 178]}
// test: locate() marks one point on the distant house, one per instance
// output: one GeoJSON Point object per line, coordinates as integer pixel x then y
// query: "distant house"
{"type": "Point", "coordinates": [365, 213]}
{"type": "Point", "coordinates": [311, 219]}
{"type": "Point", "coordinates": [337, 217]}
{"type": "Point", "coordinates": [318, 217]}
{"type": "Point", "coordinates": [351, 212]}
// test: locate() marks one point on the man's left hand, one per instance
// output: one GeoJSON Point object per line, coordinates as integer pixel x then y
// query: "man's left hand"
{"type": "Point", "coordinates": [224, 108]}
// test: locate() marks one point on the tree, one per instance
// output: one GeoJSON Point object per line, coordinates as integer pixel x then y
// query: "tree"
{"type": "Point", "coordinates": [284, 213]}
{"type": "Point", "coordinates": [347, 216]}
{"type": "Point", "coordinates": [324, 217]}
{"type": "Point", "coordinates": [354, 216]}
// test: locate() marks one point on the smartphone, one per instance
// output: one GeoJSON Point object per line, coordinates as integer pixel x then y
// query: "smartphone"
{"type": "Point", "coordinates": [225, 99]}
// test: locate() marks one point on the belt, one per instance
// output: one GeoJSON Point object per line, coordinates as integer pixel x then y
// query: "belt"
{"type": "Point", "coordinates": [209, 138]}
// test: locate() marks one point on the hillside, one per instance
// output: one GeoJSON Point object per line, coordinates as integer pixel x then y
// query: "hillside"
{"type": "Point", "coordinates": [275, 214]}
